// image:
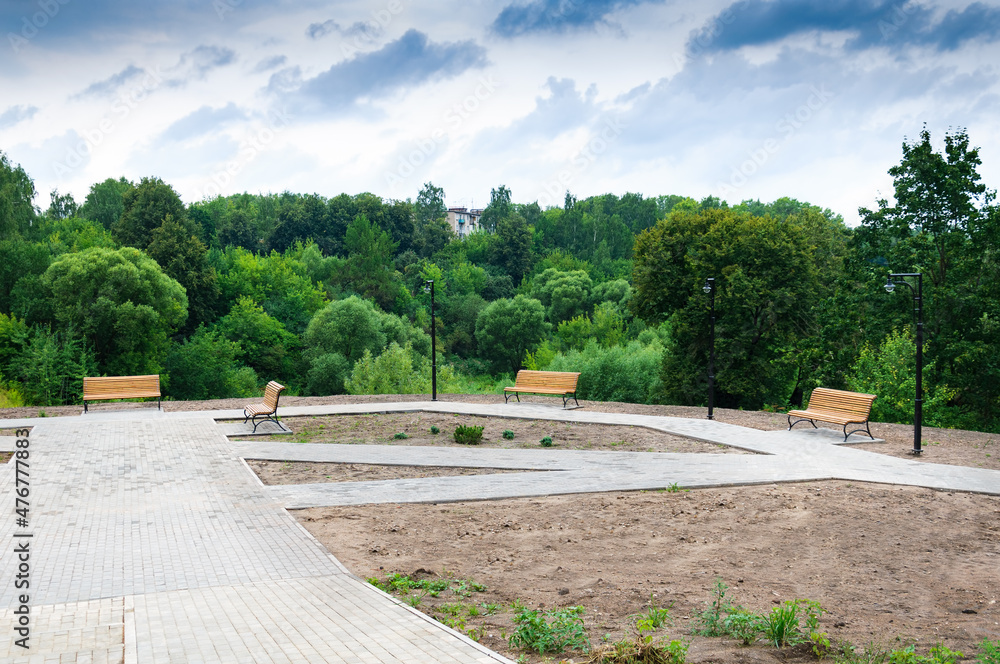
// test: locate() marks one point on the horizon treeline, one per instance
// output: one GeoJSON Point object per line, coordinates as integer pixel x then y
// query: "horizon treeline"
{"type": "Point", "coordinates": [330, 295]}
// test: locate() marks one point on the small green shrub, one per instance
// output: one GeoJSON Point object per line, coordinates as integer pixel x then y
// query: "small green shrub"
{"type": "Point", "coordinates": [508, 434]}
{"type": "Point", "coordinates": [400, 436]}
{"type": "Point", "coordinates": [710, 622]}
{"type": "Point", "coordinates": [939, 654]}
{"type": "Point", "coordinates": [471, 435]}
{"type": "Point", "coordinates": [653, 619]}
{"type": "Point", "coordinates": [989, 652]}
{"type": "Point", "coordinates": [435, 430]}
{"type": "Point", "coordinates": [743, 626]}
{"type": "Point", "coordinates": [550, 631]}
{"type": "Point", "coordinates": [781, 626]}
{"type": "Point", "coordinates": [546, 442]}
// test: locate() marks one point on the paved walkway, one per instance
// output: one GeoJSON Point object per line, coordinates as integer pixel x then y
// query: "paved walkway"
{"type": "Point", "coordinates": [152, 542]}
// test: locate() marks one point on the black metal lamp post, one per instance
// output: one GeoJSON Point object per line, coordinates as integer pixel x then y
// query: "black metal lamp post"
{"type": "Point", "coordinates": [434, 368]}
{"type": "Point", "coordinates": [709, 289]}
{"type": "Point", "coordinates": [918, 302]}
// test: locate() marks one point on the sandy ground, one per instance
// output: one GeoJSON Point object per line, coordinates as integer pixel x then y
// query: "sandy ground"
{"type": "Point", "coordinates": [890, 565]}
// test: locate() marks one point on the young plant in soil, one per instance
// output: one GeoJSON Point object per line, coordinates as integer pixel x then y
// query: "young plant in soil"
{"type": "Point", "coordinates": [468, 435]}
{"type": "Point", "coordinates": [553, 631]}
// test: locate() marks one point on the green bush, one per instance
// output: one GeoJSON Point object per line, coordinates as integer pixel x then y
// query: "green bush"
{"type": "Point", "coordinates": [508, 434]}
{"type": "Point", "coordinates": [546, 442]}
{"type": "Point", "coordinates": [939, 654]}
{"type": "Point", "coordinates": [889, 372]}
{"type": "Point", "coordinates": [550, 631]}
{"type": "Point", "coordinates": [205, 367]}
{"type": "Point", "coordinates": [629, 373]}
{"type": "Point", "coordinates": [781, 626]}
{"type": "Point", "coordinates": [711, 621]}
{"type": "Point", "coordinates": [989, 652]}
{"type": "Point", "coordinates": [327, 374]}
{"type": "Point", "coordinates": [743, 626]}
{"type": "Point", "coordinates": [468, 435]}
{"type": "Point", "coordinates": [435, 430]}
{"type": "Point", "coordinates": [400, 436]}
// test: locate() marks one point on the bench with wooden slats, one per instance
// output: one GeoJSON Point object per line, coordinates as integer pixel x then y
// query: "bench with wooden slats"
{"type": "Point", "coordinates": [836, 407]}
{"type": "Point", "coordinates": [556, 383]}
{"type": "Point", "coordinates": [106, 388]}
{"type": "Point", "coordinates": [268, 409]}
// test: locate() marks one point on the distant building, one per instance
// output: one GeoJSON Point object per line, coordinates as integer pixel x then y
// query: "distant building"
{"type": "Point", "coordinates": [463, 220]}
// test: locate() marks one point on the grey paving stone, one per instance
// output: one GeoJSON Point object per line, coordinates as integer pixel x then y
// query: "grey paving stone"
{"type": "Point", "coordinates": [153, 543]}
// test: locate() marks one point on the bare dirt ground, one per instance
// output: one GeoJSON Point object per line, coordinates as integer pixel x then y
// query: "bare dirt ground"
{"type": "Point", "coordinates": [890, 565]}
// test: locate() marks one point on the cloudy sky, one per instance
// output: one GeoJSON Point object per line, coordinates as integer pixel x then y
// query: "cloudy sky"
{"type": "Point", "coordinates": [750, 99]}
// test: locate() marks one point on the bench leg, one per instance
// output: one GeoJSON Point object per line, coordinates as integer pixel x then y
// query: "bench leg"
{"type": "Point", "coordinates": [803, 419]}
{"type": "Point", "coordinates": [267, 418]}
{"type": "Point", "coordinates": [866, 430]}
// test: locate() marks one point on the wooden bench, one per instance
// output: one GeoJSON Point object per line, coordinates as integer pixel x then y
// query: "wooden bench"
{"type": "Point", "coordinates": [268, 409]}
{"type": "Point", "coordinates": [556, 383]}
{"type": "Point", "coordinates": [836, 407]}
{"type": "Point", "coordinates": [105, 388]}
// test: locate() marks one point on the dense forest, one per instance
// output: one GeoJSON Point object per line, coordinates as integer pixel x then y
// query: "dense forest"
{"type": "Point", "coordinates": [329, 295]}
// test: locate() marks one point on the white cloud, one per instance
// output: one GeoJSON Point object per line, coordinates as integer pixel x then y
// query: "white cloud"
{"type": "Point", "coordinates": [385, 97]}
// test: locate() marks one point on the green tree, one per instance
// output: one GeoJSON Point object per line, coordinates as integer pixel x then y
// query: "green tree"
{"type": "Point", "coordinates": [205, 367]}
{"type": "Point", "coordinates": [348, 327]}
{"type": "Point", "coordinates": [500, 207]}
{"type": "Point", "coordinates": [508, 329]}
{"type": "Point", "coordinates": [392, 372]}
{"type": "Point", "coordinates": [264, 343]}
{"type": "Point", "coordinates": [769, 283]}
{"type": "Point", "coordinates": [512, 250]}
{"type": "Point", "coordinates": [61, 206]}
{"type": "Point", "coordinates": [431, 229]}
{"type": "Point", "coordinates": [17, 193]}
{"type": "Point", "coordinates": [279, 283]}
{"type": "Point", "coordinates": [889, 371]}
{"type": "Point", "coordinates": [19, 260]}
{"type": "Point", "coordinates": [564, 294]}
{"type": "Point", "coordinates": [238, 229]}
{"type": "Point", "coordinates": [369, 270]}
{"type": "Point", "coordinates": [120, 302]}
{"type": "Point", "coordinates": [145, 209]}
{"type": "Point", "coordinates": [327, 374]}
{"type": "Point", "coordinates": [176, 247]}
{"type": "Point", "coordinates": [943, 223]}
{"type": "Point", "coordinates": [51, 367]}
{"type": "Point", "coordinates": [105, 203]}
